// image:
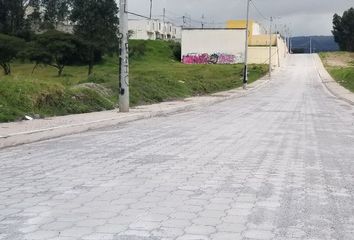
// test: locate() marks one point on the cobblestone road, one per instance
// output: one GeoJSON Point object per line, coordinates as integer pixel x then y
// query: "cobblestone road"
{"type": "Point", "coordinates": [274, 165]}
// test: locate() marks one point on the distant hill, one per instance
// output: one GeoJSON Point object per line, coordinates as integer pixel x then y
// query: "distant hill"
{"type": "Point", "coordinates": [319, 44]}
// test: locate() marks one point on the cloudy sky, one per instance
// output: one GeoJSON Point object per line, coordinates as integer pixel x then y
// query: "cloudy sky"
{"type": "Point", "coordinates": [303, 17]}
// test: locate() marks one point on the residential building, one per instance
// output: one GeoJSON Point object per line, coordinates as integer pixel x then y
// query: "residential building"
{"type": "Point", "coordinates": [153, 29]}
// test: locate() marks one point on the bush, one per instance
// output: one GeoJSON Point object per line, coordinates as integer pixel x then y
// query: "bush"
{"type": "Point", "coordinates": [176, 50]}
{"type": "Point", "coordinates": [137, 49]}
{"type": "Point", "coordinates": [9, 49]}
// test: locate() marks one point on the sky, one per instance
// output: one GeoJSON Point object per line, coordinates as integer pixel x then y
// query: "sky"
{"type": "Point", "coordinates": [302, 17]}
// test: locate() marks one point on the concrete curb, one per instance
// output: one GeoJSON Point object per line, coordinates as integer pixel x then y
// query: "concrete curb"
{"type": "Point", "coordinates": [18, 137]}
{"type": "Point", "coordinates": [331, 85]}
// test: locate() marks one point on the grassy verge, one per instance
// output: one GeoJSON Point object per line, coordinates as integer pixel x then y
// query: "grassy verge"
{"type": "Point", "coordinates": [155, 76]}
{"type": "Point", "coordinates": [341, 67]}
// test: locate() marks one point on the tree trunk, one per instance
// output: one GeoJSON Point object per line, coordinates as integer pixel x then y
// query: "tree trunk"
{"type": "Point", "coordinates": [60, 71]}
{"type": "Point", "coordinates": [34, 68]}
{"type": "Point", "coordinates": [91, 62]}
{"type": "Point", "coordinates": [7, 68]}
{"type": "Point", "coordinates": [90, 69]}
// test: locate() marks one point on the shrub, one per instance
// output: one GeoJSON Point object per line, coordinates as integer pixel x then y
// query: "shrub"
{"type": "Point", "coordinates": [9, 49]}
{"type": "Point", "coordinates": [176, 50]}
{"type": "Point", "coordinates": [137, 49]}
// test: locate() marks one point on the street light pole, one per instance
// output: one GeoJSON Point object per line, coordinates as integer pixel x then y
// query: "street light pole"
{"type": "Point", "coordinates": [270, 47]}
{"type": "Point", "coordinates": [123, 57]}
{"type": "Point", "coordinates": [245, 69]}
{"type": "Point", "coordinates": [150, 9]}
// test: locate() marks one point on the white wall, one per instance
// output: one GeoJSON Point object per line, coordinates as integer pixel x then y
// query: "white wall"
{"type": "Point", "coordinates": [200, 44]}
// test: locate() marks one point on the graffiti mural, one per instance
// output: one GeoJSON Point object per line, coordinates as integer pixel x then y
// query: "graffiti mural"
{"type": "Point", "coordinates": [216, 58]}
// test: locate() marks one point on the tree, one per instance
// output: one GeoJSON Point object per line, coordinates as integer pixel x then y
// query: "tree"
{"type": "Point", "coordinates": [96, 22]}
{"type": "Point", "coordinates": [56, 11]}
{"type": "Point", "coordinates": [9, 49]}
{"type": "Point", "coordinates": [34, 17]}
{"type": "Point", "coordinates": [12, 14]}
{"type": "Point", "coordinates": [343, 30]}
{"type": "Point", "coordinates": [55, 49]}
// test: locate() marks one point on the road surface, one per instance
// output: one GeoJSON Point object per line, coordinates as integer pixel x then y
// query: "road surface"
{"type": "Point", "coordinates": [277, 164]}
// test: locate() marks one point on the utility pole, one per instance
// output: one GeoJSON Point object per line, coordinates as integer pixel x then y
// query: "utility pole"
{"type": "Point", "coordinates": [245, 69]}
{"type": "Point", "coordinates": [123, 57]}
{"type": "Point", "coordinates": [203, 21]}
{"type": "Point", "coordinates": [150, 9]}
{"type": "Point", "coordinates": [310, 45]}
{"type": "Point", "coordinates": [270, 47]}
{"type": "Point", "coordinates": [164, 15]}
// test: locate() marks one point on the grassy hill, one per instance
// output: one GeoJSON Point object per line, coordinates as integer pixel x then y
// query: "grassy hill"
{"type": "Point", "coordinates": [155, 76]}
{"type": "Point", "coordinates": [341, 67]}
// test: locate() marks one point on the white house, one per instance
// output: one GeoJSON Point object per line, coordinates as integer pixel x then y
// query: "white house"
{"type": "Point", "coordinates": [152, 29]}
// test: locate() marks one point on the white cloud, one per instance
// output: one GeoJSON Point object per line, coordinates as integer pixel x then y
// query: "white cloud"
{"type": "Point", "coordinates": [305, 17]}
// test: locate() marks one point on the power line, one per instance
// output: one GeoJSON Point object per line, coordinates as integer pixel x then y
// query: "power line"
{"type": "Point", "coordinates": [259, 12]}
{"type": "Point", "coordinates": [138, 15]}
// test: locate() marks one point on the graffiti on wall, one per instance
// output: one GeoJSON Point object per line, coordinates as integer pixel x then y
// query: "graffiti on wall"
{"type": "Point", "coordinates": [216, 58]}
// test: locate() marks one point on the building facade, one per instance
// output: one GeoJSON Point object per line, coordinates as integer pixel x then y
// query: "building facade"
{"type": "Point", "coordinates": [153, 29]}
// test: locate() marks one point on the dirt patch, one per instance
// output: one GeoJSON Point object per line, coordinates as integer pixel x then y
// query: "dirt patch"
{"type": "Point", "coordinates": [339, 59]}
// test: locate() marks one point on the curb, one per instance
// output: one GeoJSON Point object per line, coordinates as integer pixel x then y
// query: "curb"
{"type": "Point", "coordinates": [42, 134]}
{"type": "Point", "coordinates": [331, 85]}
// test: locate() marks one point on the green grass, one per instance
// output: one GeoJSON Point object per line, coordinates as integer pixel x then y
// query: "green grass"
{"type": "Point", "coordinates": [343, 74]}
{"type": "Point", "coordinates": [154, 77]}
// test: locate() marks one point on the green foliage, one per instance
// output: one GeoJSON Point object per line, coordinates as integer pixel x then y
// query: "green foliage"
{"type": "Point", "coordinates": [56, 11]}
{"type": "Point", "coordinates": [9, 49]}
{"type": "Point", "coordinates": [137, 49]}
{"type": "Point", "coordinates": [343, 30]}
{"type": "Point", "coordinates": [55, 49]}
{"type": "Point", "coordinates": [96, 22]}
{"type": "Point", "coordinates": [155, 76]}
{"type": "Point", "coordinates": [344, 76]}
{"type": "Point", "coordinates": [176, 50]}
{"type": "Point", "coordinates": [11, 16]}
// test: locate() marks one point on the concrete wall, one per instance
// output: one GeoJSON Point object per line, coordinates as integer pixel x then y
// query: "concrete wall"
{"type": "Point", "coordinates": [263, 40]}
{"type": "Point", "coordinates": [260, 54]}
{"type": "Point", "coordinates": [218, 46]}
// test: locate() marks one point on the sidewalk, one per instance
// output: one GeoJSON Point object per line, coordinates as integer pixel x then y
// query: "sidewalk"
{"type": "Point", "coordinates": [17, 133]}
{"type": "Point", "coordinates": [333, 87]}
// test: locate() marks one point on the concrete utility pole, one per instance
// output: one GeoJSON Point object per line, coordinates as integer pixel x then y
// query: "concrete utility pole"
{"type": "Point", "coordinates": [164, 15]}
{"type": "Point", "coordinates": [270, 47]}
{"type": "Point", "coordinates": [123, 58]}
{"type": "Point", "coordinates": [245, 69]}
{"type": "Point", "coordinates": [203, 21]}
{"type": "Point", "coordinates": [150, 9]}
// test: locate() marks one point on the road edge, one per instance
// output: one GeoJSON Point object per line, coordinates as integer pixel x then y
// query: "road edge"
{"type": "Point", "coordinates": [332, 85]}
{"type": "Point", "coordinates": [163, 109]}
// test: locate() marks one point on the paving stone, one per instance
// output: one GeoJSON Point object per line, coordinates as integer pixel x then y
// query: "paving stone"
{"type": "Point", "coordinates": [38, 235]}
{"type": "Point", "coordinates": [199, 229]}
{"type": "Point", "coordinates": [259, 234]}
{"type": "Point", "coordinates": [274, 164]}
{"type": "Point", "coordinates": [226, 236]}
